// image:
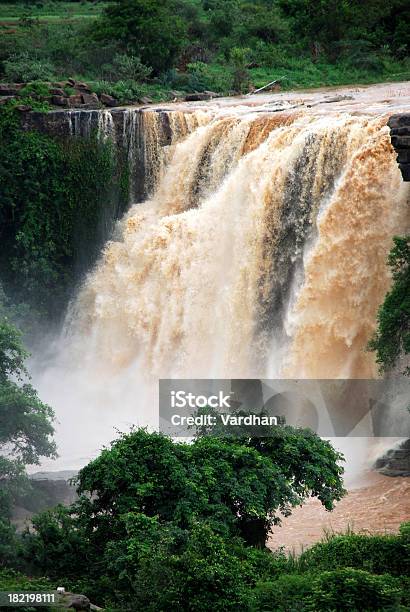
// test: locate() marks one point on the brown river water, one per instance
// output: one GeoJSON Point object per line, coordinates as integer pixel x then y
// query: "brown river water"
{"type": "Point", "coordinates": [374, 504]}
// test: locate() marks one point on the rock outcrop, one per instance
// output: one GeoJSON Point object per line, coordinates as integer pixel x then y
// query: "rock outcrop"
{"type": "Point", "coordinates": [396, 462]}
{"type": "Point", "coordinates": [400, 139]}
{"type": "Point", "coordinates": [67, 94]}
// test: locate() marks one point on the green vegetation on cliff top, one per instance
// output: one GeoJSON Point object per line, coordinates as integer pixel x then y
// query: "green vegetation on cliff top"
{"type": "Point", "coordinates": [192, 45]}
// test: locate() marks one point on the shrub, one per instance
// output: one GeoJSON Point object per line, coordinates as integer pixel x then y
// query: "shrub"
{"type": "Point", "coordinates": [377, 554]}
{"type": "Point", "coordinates": [9, 544]}
{"type": "Point", "coordinates": [127, 67]}
{"type": "Point", "coordinates": [240, 60]}
{"type": "Point", "coordinates": [11, 580]}
{"type": "Point", "coordinates": [147, 27]}
{"type": "Point", "coordinates": [405, 532]}
{"type": "Point", "coordinates": [354, 590]}
{"type": "Point", "coordinates": [158, 574]}
{"type": "Point", "coordinates": [175, 79]}
{"type": "Point", "coordinates": [203, 77]}
{"type": "Point", "coordinates": [21, 68]}
{"type": "Point", "coordinates": [125, 92]}
{"type": "Point", "coordinates": [37, 88]}
{"type": "Point", "coordinates": [51, 550]}
{"type": "Point", "coordinates": [287, 592]}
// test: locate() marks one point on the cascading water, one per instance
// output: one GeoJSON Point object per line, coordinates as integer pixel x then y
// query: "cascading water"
{"type": "Point", "coordinates": [238, 250]}
{"type": "Point", "coordinates": [260, 253]}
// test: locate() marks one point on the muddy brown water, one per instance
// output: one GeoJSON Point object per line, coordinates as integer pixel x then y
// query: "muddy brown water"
{"type": "Point", "coordinates": [375, 504]}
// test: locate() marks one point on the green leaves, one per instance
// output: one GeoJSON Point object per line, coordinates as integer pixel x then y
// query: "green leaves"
{"type": "Point", "coordinates": [51, 229]}
{"type": "Point", "coordinates": [25, 422]}
{"type": "Point", "coordinates": [151, 29]}
{"type": "Point", "coordinates": [12, 352]}
{"type": "Point", "coordinates": [238, 487]}
{"type": "Point", "coordinates": [162, 525]}
{"type": "Point", "coordinates": [391, 340]}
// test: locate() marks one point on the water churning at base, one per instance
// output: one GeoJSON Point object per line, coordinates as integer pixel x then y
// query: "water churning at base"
{"type": "Point", "coordinates": [260, 253]}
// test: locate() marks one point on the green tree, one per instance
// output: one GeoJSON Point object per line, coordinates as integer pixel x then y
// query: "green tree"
{"type": "Point", "coordinates": [238, 488]}
{"type": "Point", "coordinates": [239, 59]}
{"type": "Point", "coordinates": [391, 341]}
{"type": "Point", "coordinates": [151, 29]}
{"type": "Point", "coordinates": [232, 483]}
{"type": "Point", "coordinates": [25, 426]}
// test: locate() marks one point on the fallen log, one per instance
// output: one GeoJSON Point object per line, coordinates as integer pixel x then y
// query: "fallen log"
{"type": "Point", "coordinates": [255, 91]}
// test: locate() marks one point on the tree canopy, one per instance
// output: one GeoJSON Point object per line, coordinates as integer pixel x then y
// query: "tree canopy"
{"type": "Point", "coordinates": [152, 29]}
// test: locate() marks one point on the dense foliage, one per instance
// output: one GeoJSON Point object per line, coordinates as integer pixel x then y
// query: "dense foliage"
{"type": "Point", "coordinates": [52, 197]}
{"type": "Point", "coordinates": [25, 428]}
{"type": "Point", "coordinates": [303, 43]}
{"type": "Point", "coordinates": [161, 525]}
{"type": "Point", "coordinates": [151, 28]}
{"type": "Point", "coordinates": [392, 338]}
{"type": "Point", "coordinates": [376, 554]}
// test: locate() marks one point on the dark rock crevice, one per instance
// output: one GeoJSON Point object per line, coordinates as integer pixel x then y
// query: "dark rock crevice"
{"type": "Point", "coordinates": [400, 138]}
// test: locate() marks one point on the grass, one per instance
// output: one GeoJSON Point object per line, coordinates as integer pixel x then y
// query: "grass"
{"type": "Point", "coordinates": [308, 76]}
{"type": "Point", "coordinates": [53, 9]}
{"type": "Point", "coordinates": [49, 12]}
{"type": "Point", "coordinates": [302, 73]}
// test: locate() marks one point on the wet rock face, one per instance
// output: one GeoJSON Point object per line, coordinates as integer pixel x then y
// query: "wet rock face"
{"type": "Point", "coordinates": [396, 462]}
{"type": "Point", "coordinates": [47, 490]}
{"type": "Point", "coordinates": [400, 139]}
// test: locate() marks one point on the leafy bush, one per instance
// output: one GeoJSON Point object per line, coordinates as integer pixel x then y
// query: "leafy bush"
{"type": "Point", "coordinates": [153, 565]}
{"type": "Point", "coordinates": [202, 77]}
{"type": "Point", "coordinates": [288, 592]}
{"type": "Point", "coordinates": [156, 573]}
{"type": "Point", "coordinates": [175, 79]}
{"type": "Point", "coordinates": [22, 68]}
{"type": "Point", "coordinates": [405, 532]}
{"type": "Point", "coordinates": [9, 543]}
{"type": "Point", "coordinates": [240, 59]}
{"type": "Point", "coordinates": [376, 554]}
{"type": "Point", "coordinates": [354, 590]}
{"type": "Point", "coordinates": [38, 88]}
{"type": "Point", "coordinates": [11, 580]}
{"type": "Point", "coordinates": [53, 550]}
{"type": "Point", "coordinates": [124, 92]}
{"type": "Point", "coordinates": [127, 67]}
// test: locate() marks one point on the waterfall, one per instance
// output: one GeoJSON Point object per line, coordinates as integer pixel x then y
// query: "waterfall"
{"type": "Point", "coordinates": [260, 251]}
{"type": "Point", "coordinates": [243, 250]}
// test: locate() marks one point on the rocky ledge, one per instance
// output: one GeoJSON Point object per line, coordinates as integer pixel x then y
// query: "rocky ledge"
{"type": "Point", "coordinates": [79, 95]}
{"type": "Point", "coordinates": [400, 138]}
{"type": "Point", "coordinates": [66, 94]}
{"type": "Point", "coordinates": [396, 462]}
